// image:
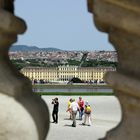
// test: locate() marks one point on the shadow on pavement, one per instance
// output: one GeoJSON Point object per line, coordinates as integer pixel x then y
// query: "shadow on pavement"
{"type": "Point", "coordinates": [68, 125]}
{"type": "Point", "coordinates": [67, 119]}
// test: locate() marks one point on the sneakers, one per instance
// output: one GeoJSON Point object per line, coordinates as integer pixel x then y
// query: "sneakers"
{"type": "Point", "coordinates": [54, 122]}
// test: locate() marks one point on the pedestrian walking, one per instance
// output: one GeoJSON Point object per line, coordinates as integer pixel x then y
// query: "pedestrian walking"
{"type": "Point", "coordinates": [74, 108]}
{"type": "Point", "coordinates": [55, 110]}
{"type": "Point", "coordinates": [68, 109]}
{"type": "Point", "coordinates": [87, 114]}
{"type": "Point", "coordinates": [81, 106]}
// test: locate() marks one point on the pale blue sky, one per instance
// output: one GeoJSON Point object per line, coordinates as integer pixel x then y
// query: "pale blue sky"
{"type": "Point", "coordinates": [63, 24]}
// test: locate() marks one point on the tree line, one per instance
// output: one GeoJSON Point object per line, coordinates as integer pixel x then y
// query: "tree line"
{"type": "Point", "coordinates": [19, 64]}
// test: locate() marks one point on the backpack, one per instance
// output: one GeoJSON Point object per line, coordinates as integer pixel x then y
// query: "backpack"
{"type": "Point", "coordinates": [88, 109]}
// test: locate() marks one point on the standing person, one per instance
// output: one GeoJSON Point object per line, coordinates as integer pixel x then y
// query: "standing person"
{"type": "Point", "coordinates": [81, 105]}
{"type": "Point", "coordinates": [69, 110]}
{"type": "Point", "coordinates": [74, 108]}
{"type": "Point", "coordinates": [87, 114]}
{"type": "Point", "coordinates": [55, 110]}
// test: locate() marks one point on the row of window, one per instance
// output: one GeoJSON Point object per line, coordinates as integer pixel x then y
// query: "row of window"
{"type": "Point", "coordinates": [63, 76]}
{"type": "Point", "coordinates": [40, 73]}
{"type": "Point", "coordinates": [55, 75]}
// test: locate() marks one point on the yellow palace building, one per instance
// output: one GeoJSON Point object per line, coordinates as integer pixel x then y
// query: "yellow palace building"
{"type": "Point", "coordinates": [65, 73]}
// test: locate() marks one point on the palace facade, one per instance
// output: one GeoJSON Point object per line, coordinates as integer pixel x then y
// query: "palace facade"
{"type": "Point", "coordinates": [66, 73]}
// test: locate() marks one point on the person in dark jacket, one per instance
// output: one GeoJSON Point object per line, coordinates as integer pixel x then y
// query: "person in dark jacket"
{"type": "Point", "coordinates": [55, 110]}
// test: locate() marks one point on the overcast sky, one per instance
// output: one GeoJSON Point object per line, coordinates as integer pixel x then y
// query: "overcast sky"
{"type": "Point", "coordinates": [63, 24]}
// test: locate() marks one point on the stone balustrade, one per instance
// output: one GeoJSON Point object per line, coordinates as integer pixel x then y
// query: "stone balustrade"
{"type": "Point", "coordinates": [121, 20]}
{"type": "Point", "coordinates": [24, 115]}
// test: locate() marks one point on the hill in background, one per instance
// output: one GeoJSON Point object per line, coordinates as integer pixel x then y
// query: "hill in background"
{"type": "Point", "coordinates": [25, 48]}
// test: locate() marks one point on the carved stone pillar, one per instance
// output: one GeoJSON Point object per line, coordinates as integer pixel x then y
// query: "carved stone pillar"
{"type": "Point", "coordinates": [24, 115]}
{"type": "Point", "coordinates": [121, 20]}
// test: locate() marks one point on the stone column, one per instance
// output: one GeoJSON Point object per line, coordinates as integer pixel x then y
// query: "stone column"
{"type": "Point", "coordinates": [24, 115]}
{"type": "Point", "coordinates": [121, 20]}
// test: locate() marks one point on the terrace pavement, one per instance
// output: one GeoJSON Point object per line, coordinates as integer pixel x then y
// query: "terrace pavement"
{"type": "Point", "coordinates": [106, 114]}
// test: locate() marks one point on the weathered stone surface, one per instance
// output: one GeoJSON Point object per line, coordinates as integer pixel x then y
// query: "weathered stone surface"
{"type": "Point", "coordinates": [15, 121]}
{"type": "Point", "coordinates": [90, 5]}
{"type": "Point", "coordinates": [118, 14]}
{"type": "Point", "coordinates": [122, 83]}
{"type": "Point", "coordinates": [11, 24]}
{"type": "Point", "coordinates": [24, 115]}
{"type": "Point", "coordinates": [121, 20]}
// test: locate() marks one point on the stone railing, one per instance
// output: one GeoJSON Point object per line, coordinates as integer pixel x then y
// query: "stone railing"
{"type": "Point", "coordinates": [24, 115]}
{"type": "Point", "coordinates": [121, 20]}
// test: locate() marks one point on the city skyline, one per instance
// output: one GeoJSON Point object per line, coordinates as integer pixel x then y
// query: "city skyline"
{"type": "Point", "coordinates": [65, 25]}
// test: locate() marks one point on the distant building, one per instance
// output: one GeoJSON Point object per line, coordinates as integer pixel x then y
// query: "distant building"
{"type": "Point", "coordinates": [66, 73]}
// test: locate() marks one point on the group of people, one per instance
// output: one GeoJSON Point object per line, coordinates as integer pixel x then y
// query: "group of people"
{"type": "Point", "coordinates": [82, 107]}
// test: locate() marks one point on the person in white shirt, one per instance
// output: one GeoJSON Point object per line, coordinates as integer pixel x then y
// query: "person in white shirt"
{"type": "Point", "coordinates": [74, 108]}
